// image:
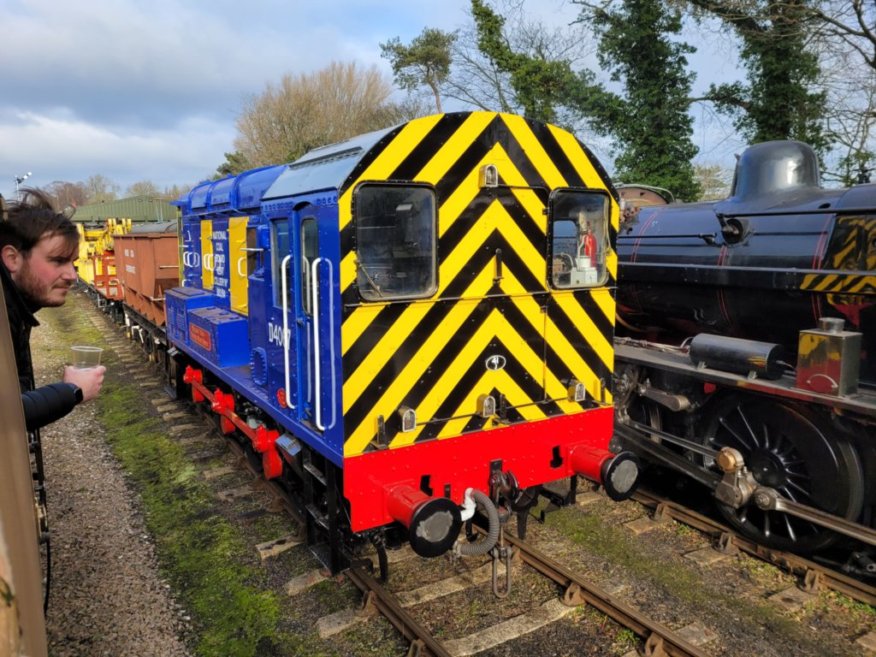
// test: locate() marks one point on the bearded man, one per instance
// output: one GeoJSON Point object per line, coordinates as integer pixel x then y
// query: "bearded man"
{"type": "Point", "coordinates": [37, 248]}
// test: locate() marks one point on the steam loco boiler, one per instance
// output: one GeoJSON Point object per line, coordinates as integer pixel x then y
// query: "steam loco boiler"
{"type": "Point", "coordinates": [750, 324]}
{"type": "Point", "coordinates": [409, 325]}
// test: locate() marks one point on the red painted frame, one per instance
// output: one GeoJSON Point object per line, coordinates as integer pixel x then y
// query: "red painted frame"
{"type": "Point", "coordinates": [528, 450]}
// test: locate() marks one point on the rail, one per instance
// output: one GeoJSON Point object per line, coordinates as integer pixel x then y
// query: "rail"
{"type": "Point", "coordinates": [387, 604]}
{"type": "Point", "coordinates": [812, 573]}
{"type": "Point", "coordinates": [579, 591]}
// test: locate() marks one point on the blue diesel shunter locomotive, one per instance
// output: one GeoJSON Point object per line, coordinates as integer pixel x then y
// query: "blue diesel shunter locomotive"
{"type": "Point", "coordinates": [408, 325]}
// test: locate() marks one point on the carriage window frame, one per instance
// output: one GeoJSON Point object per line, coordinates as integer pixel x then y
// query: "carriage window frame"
{"type": "Point", "coordinates": [393, 261]}
{"type": "Point", "coordinates": [576, 260]}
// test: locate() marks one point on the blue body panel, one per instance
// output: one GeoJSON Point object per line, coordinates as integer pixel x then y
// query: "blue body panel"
{"type": "Point", "coordinates": [179, 302]}
{"type": "Point", "coordinates": [247, 353]}
{"type": "Point", "coordinates": [219, 335]}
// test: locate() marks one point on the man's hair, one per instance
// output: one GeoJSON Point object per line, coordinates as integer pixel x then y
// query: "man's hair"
{"type": "Point", "coordinates": [33, 217]}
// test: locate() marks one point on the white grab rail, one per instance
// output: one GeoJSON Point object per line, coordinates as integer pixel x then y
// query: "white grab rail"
{"type": "Point", "coordinates": [284, 288]}
{"type": "Point", "coordinates": [314, 306]}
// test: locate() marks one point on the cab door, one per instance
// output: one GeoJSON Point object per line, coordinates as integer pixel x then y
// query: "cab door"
{"type": "Point", "coordinates": [281, 338]}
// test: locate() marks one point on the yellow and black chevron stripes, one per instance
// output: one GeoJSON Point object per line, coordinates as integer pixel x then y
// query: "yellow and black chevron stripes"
{"type": "Point", "coordinates": [851, 260]}
{"type": "Point", "coordinates": [839, 282]}
{"type": "Point", "coordinates": [492, 301]}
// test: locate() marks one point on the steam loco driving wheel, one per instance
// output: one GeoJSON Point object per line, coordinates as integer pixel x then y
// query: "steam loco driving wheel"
{"type": "Point", "coordinates": [796, 452]}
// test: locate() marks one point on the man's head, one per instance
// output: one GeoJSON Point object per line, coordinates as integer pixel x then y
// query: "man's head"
{"type": "Point", "coordinates": [38, 246]}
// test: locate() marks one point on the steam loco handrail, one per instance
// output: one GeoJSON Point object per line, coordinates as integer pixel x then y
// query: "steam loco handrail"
{"type": "Point", "coordinates": [698, 236]}
{"type": "Point", "coordinates": [864, 402]}
{"type": "Point", "coordinates": [792, 211]}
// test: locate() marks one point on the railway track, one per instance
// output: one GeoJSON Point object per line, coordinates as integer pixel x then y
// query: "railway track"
{"type": "Point", "coordinates": [576, 590]}
{"type": "Point", "coordinates": [552, 604]}
{"type": "Point", "coordinates": [813, 575]}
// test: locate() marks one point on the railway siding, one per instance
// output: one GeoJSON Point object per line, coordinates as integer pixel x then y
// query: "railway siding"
{"type": "Point", "coordinates": [231, 601]}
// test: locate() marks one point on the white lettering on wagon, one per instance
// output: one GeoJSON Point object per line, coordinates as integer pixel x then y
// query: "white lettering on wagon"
{"type": "Point", "coordinates": [275, 334]}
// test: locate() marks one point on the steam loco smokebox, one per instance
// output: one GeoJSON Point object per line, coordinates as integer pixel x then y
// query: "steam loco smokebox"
{"type": "Point", "coordinates": [829, 358]}
{"type": "Point", "coordinates": [749, 357]}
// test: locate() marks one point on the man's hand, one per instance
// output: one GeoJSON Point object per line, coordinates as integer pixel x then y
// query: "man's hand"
{"type": "Point", "coordinates": [89, 380]}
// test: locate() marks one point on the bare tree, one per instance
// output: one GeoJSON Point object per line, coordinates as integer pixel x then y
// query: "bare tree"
{"type": "Point", "coordinates": [100, 188]}
{"type": "Point", "coordinates": [844, 38]}
{"type": "Point", "coordinates": [476, 80]}
{"type": "Point", "coordinates": [852, 22]}
{"type": "Point", "coordinates": [309, 110]}
{"type": "Point", "coordinates": [714, 181]}
{"type": "Point", "coordinates": [66, 194]}
{"type": "Point", "coordinates": [175, 191]}
{"type": "Point", "coordinates": [143, 188]}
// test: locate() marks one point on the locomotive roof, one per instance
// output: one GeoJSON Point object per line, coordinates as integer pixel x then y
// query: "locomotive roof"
{"type": "Point", "coordinates": [233, 193]}
{"type": "Point", "coordinates": [326, 167]}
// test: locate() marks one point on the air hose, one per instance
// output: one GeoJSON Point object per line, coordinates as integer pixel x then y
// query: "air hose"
{"type": "Point", "coordinates": [477, 498]}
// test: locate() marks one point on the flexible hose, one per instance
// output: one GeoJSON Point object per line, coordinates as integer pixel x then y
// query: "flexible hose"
{"type": "Point", "coordinates": [482, 547]}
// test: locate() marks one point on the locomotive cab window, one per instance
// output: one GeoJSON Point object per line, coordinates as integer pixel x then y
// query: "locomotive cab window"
{"type": "Point", "coordinates": [279, 250]}
{"type": "Point", "coordinates": [578, 243]}
{"type": "Point", "coordinates": [395, 241]}
{"type": "Point", "coordinates": [309, 253]}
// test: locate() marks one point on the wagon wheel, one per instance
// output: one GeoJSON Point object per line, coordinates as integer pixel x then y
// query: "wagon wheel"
{"type": "Point", "coordinates": [626, 381]}
{"type": "Point", "coordinates": [799, 454]}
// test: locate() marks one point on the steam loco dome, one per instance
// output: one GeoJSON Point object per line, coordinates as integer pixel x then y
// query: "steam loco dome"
{"type": "Point", "coordinates": [773, 259]}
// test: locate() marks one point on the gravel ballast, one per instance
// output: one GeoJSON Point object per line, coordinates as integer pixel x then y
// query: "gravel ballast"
{"type": "Point", "coordinates": [107, 596]}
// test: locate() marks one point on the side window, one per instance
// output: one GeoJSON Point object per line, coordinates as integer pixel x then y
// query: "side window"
{"type": "Point", "coordinates": [279, 250]}
{"type": "Point", "coordinates": [395, 241]}
{"type": "Point", "coordinates": [579, 238]}
{"type": "Point", "coordinates": [253, 256]}
{"type": "Point", "coordinates": [309, 252]}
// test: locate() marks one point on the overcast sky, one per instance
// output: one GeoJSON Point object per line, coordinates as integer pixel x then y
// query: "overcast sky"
{"type": "Point", "coordinates": [150, 90]}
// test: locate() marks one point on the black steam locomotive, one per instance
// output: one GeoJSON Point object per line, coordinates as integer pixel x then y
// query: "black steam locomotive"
{"type": "Point", "coordinates": [746, 355]}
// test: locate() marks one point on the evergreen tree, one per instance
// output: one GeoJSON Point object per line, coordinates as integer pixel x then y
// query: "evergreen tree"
{"type": "Point", "coordinates": [777, 102]}
{"type": "Point", "coordinates": [426, 61]}
{"type": "Point", "coordinates": [539, 84]}
{"type": "Point", "coordinates": [650, 123]}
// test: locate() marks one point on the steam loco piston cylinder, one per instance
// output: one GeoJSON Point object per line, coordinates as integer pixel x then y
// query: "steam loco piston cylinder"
{"type": "Point", "coordinates": [748, 357]}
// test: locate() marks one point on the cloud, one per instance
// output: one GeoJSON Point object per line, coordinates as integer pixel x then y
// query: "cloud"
{"type": "Point", "coordinates": [56, 144]}
{"type": "Point", "coordinates": [137, 90]}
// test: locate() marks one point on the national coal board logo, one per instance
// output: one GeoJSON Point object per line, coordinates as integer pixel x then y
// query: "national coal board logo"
{"type": "Point", "coordinates": [496, 362]}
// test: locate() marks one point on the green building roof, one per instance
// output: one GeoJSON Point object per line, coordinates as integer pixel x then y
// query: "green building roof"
{"type": "Point", "coordinates": [139, 209]}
